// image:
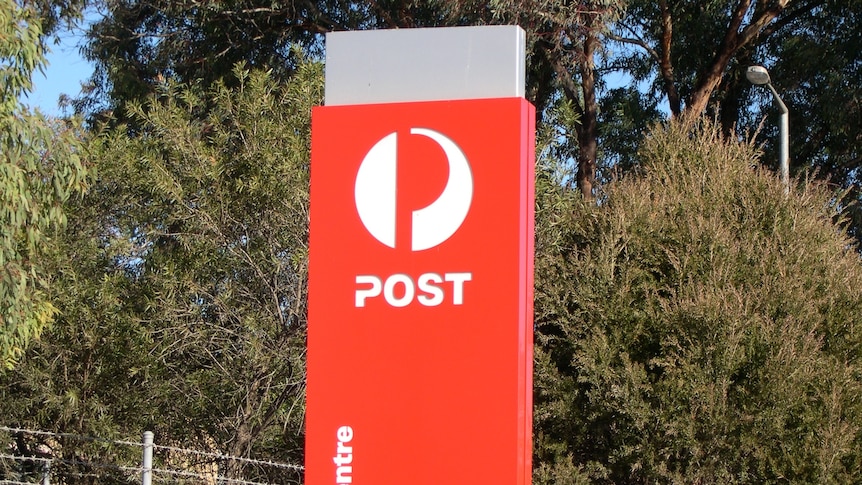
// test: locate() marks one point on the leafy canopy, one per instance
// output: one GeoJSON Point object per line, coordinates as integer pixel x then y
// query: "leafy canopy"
{"type": "Point", "coordinates": [697, 326]}
{"type": "Point", "coordinates": [181, 280]}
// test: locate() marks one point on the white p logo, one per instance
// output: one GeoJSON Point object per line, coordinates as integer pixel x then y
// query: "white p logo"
{"type": "Point", "coordinates": [376, 188]}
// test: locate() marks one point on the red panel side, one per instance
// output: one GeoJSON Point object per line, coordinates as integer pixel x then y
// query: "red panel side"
{"type": "Point", "coordinates": [530, 157]}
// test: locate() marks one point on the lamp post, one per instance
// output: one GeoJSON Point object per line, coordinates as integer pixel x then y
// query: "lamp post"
{"type": "Point", "coordinates": [760, 76]}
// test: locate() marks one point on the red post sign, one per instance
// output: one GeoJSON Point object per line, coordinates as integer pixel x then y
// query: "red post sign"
{"type": "Point", "coordinates": [420, 293]}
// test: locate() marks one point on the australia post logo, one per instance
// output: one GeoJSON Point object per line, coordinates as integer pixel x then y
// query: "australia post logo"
{"type": "Point", "coordinates": [375, 194]}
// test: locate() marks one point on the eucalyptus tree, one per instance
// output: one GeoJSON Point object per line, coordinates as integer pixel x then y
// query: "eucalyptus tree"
{"type": "Point", "coordinates": [137, 44]}
{"type": "Point", "coordinates": [565, 38]}
{"type": "Point", "coordinates": [691, 46]}
{"type": "Point", "coordinates": [40, 167]}
{"type": "Point", "coordinates": [694, 55]}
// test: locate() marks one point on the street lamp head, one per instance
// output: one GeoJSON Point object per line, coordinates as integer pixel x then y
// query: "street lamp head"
{"type": "Point", "coordinates": [757, 75]}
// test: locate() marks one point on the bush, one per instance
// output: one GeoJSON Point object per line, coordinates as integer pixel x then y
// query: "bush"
{"type": "Point", "coordinates": [697, 325]}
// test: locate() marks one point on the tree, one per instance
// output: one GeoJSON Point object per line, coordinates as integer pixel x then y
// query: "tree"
{"type": "Point", "coordinates": [564, 40]}
{"type": "Point", "coordinates": [693, 55]}
{"type": "Point", "coordinates": [182, 282]}
{"type": "Point", "coordinates": [691, 62]}
{"type": "Point", "coordinates": [136, 44]}
{"type": "Point", "coordinates": [40, 168]}
{"type": "Point", "coordinates": [697, 326]}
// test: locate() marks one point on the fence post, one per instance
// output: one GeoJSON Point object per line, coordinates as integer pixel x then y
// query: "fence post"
{"type": "Point", "coordinates": [147, 466]}
{"type": "Point", "coordinates": [46, 473]}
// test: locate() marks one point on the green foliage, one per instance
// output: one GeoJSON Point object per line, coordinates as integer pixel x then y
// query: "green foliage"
{"type": "Point", "coordinates": [697, 326]}
{"type": "Point", "coordinates": [623, 115]}
{"type": "Point", "coordinates": [182, 290]}
{"type": "Point", "coordinates": [138, 43]}
{"type": "Point", "coordinates": [40, 167]}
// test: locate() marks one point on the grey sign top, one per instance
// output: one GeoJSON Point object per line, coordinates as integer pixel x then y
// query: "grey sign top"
{"type": "Point", "coordinates": [428, 64]}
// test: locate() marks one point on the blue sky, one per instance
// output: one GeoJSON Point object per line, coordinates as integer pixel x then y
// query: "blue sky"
{"type": "Point", "coordinates": [64, 74]}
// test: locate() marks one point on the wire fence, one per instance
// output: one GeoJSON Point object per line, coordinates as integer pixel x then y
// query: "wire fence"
{"type": "Point", "coordinates": [41, 457]}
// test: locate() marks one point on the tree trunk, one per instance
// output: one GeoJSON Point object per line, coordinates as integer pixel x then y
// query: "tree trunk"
{"type": "Point", "coordinates": [588, 132]}
{"type": "Point", "coordinates": [735, 38]}
{"type": "Point", "coordinates": [665, 63]}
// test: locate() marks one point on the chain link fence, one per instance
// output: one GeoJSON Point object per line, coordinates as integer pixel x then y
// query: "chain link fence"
{"type": "Point", "coordinates": [42, 457]}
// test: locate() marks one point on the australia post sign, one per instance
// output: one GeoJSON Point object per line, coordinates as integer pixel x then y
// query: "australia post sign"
{"type": "Point", "coordinates": [420, 293]}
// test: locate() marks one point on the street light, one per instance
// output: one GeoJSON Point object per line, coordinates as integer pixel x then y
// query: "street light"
{"type": "Point", "coordinates": [760, 76]}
